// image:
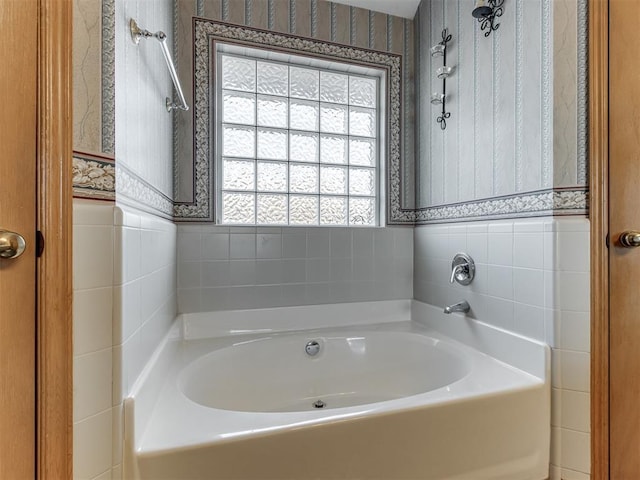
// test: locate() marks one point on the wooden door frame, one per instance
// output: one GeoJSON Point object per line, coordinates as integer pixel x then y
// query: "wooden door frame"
{"type": "Point", "coordinates": [598, 208]}
{"type": "Point", "coordinates": [54, 350]}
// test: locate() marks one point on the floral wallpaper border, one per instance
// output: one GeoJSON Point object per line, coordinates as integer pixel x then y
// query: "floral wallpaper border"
{"type": "Point", "coordinates": [94, 176]}
{"type": "Point", "coordinates": [564, 201]}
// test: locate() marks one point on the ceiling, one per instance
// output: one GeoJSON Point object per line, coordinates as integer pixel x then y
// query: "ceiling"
{"type": "Point", "coordinates": [400, 8]}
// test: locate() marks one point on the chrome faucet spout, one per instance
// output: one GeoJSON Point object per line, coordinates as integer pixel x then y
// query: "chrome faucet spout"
{"type": "Point", "coordinates": [462, 306]}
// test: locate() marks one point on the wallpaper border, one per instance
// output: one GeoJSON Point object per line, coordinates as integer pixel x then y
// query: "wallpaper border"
{"type": "Point", "coordinates": [93, 176]}
{"type": "Point", "coordinates": [205, 30]}
{"type": "Point", "coordinates": [555, 202]}
{"type": "Point", "coordinates": [108, 76]}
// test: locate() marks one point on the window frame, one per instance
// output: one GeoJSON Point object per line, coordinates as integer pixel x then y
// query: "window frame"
{"type": "Point", "coordinates": [295, 59]}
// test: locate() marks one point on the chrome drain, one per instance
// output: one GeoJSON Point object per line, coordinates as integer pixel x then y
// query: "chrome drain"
{"type": "Point", "coordinates": [319, 404]}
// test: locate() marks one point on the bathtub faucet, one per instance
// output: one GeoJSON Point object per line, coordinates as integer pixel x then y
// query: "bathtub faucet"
{"type": "Point", "coordinates": [462, 306]}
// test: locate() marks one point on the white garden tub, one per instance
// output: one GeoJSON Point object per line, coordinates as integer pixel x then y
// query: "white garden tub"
{"type": "Point", "coordinates": [391, 400]}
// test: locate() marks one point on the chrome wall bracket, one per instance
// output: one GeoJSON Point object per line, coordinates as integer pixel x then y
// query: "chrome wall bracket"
{"type": "Point", "coordinates": [138, 33]}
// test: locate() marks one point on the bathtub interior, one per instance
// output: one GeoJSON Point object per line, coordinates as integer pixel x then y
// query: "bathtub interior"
{"type": "Point", "coordinates": [275, 374]}
{"type": "Point", "coordinates": [193, 349]}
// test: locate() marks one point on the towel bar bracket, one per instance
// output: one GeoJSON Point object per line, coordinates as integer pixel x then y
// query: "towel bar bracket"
{"type": "Point", "coordinates": [136, 34]}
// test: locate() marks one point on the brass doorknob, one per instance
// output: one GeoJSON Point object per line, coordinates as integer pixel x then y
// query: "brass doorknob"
{"type": "Point", "coordinates": [11, 244]}
{"type": "Point", "coordinates": [630, 239]}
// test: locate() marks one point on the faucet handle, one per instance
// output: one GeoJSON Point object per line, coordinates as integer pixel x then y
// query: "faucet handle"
{"type": "Point", "coordinates": [463, 269]}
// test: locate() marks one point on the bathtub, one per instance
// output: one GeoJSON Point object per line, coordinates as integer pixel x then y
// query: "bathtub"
{"type": "Point", "coordinates": [391, 390]}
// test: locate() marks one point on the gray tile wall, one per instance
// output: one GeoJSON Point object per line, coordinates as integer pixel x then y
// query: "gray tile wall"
{"type": "Point", "coordinates": [222, 268]}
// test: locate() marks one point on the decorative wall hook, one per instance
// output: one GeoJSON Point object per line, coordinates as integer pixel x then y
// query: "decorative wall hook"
{"type": "Point", "coordinates": [443, 72]}
{"type": "Point", "coordinates": [486, 11]}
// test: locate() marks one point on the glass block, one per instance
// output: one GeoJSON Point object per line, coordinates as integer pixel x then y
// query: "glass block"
{"type": "Point", "coordinates": [273, 79]}
{"type": "Point", "coordinates": [363, 92]}
{"type": "Point", "coordinates": [333, 149]}
{"type": "Point", "coordinates": [272, 112]}
{"type": "Point", "coordinates": [238, 207]}
{"type": "Point", "coordinates": [303, 178]}
{"type": "Point", "coordinates": [362, 181]}
{"type": "Point", "coordinates": [272, 177]}
{"type": "Point", "coordinates": [303, 115]}
{"type": "Point", "coordinates": [272, 209]}
{"type": "Point", "coordinates": [239, 108]}
{"type": "Point", "coordinates": [272, 144]}
{"type": "Point", "coordinates": [362, 151]}
{"type": "Point", "coordinates": [333, 87]}
{"type": "Point", "coordinates": [238, 74]}
{"type": "Point", "coordinates": [333, 180]}
{"type": "Point", "coordinates": [303, 83]}
{"type": "Point", "coordinates": [362, 211]}
{"type": "Point", "coordinates": [333, 211]}
{"type": "Point", "coordinates": [333, 118]}
{"type": "Point", "coordinates": [238, 141]}
{"type": "Point", "coordinates": [303, 147]}
{"type": "Point", "coordinates": [362, 121]}
{"type": "Point", "coordinates": [303, 210]}
{"type": "Point", "coordinates": [238, 174]}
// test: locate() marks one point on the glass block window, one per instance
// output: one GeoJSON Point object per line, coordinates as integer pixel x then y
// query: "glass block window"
{"type": "Point", "coordinates": [297, 145]}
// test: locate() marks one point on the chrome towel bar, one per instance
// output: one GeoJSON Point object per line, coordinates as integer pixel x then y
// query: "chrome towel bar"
{"type": "Point", "coordinates": [136, 34]}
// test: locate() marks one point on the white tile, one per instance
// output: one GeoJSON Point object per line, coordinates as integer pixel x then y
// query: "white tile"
{"type": "Point", "coordinates": [215, 246]}
{"type": "Point", "coordinates": [242, 246]}
{"type": "Point", "coordinates": [500, 249]}
{"type": "Point", "coordinates": [341, 243]}
{"type": "Point", "coordinates": [294, 271]}
{"type": "Point", "coordinates": [575, 331]}
{"type": "Point", "coordinates": [215, 274]}
{"type": "Point", "coordinates": [573, 251]}
{"type": "Point", "coordinates": [319, 269]}
{"type": "Point", "coordinates": [189, 300]}
{"type": "Point", "coordinates": [528, 286]}
{"type": "Point", "coordinates": [92, 256]}
{"type": "Point", "coordinates": [189, 274]}
{"type": "Point", "coordinates": [89, 212]}
{"type": "Point", "coordinates": [403, 242]}
{"type": "Point", "coordinates": [556, 407]}
{"type": "Point", "coordinates": [340, 270]}
{"type": "Point", "coordinates": [576, 451]}
{"type": "Point", "coordinates": [505, 226]}
{"type": "Point", "coordinates": [477, 247]}
{"type": "Point", "coordinates": [575, 370]}
{"type": "Point", "coordinates": [189, 246]}
{"type": "Point", "coordinates": [576, 410]}
{"type": "Point", "coordinates": [549, 248]}
{"type": "Point", "coordinates": [92, 445]}
{"type": "Point", "coordinates": [383, 242]}
{"type": "Point", "coordinates": [242, 272]}
{"type": "Point", "coordinates": [91, 383]}
{"type": "Point", "coordinates": [116, 472]}
{"type": "Point", "coordinates": [528, 226]}
{"type": "Point", "coordinates": [556, 446]}
{"type": "Point", "coordinates": [573, 291]}
{"type": "Point", "coordinates": [118, 433]}
{"type": "Point", "coordinates": [500, 282]}
{"type": "Point", "coordinates": [363, 243]}
{"type": "Point", "coordinates": [528, 250]}
{"type": "Point", "coordinates": [268, 245]}
{"type": "Point", "coordinates": [457, 241]}
{"type": "Point", "coordinates": [268, 272]}
{"type": "Point", "coordinates": [318, 244]}
{"type": "Point", "coordinates": [132, 254]}
{"type": "Point", "coordinates": [127, 309]}
{"type": "Point", "coordinates": [294, 245]}
{"type": "Point", "coordinates": [567, 474]}
{"type": "Point", "coordinates": [104, 476]}
{"type": "Point", "coordinates": [529, 321]}
{"type": "Point", "coordinates": [92, 317]}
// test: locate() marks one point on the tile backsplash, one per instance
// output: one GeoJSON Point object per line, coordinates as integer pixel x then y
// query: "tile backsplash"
{"type": "Point", "coordinates": [532, 278]}
{"type": "Point", "coordinates": [223, 268]}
